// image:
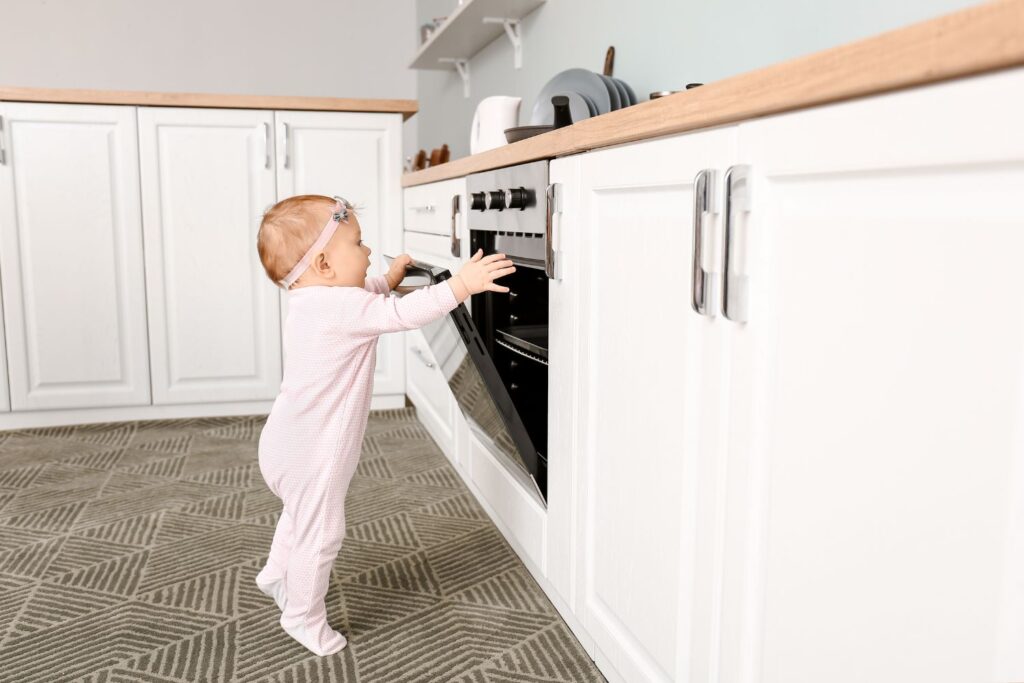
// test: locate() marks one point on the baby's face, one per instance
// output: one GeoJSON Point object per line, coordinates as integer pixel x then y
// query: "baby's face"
{"type": "Point", "coordinates": [348, 256]}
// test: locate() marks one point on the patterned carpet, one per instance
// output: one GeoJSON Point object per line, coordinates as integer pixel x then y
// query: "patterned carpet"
{"type": "Point", "coordinates": [128, 551]}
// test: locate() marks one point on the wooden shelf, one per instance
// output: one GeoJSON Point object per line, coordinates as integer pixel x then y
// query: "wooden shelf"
{"type": "Point", "coordinates": [464, 33]}
{"type": "Point", "coordinates": [168, 99]}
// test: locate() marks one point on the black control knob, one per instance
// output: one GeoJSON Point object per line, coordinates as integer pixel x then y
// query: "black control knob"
{"type": "Point", "coordinates": [479, 201]}
{"type": "Point", "coordinates": [496, 200]}
{"type": "Point", "coordinates": [518, 198]}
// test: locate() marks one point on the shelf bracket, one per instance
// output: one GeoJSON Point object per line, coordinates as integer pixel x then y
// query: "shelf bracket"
{"type": "Point", "coordinates": [462, 66]}
{"type": "Point", "coordinates": [514, 35]}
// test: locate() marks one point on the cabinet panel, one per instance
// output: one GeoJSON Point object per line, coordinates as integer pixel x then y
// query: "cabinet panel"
{"type": "Point", "coordinates": [71, 257]}
{"type": "Point", "coordinates": [876, 393]}
{"type": "Point", "coordinates": [5, 396]}
{"type": "Point", "coordinates": [425, 384]}
{"type": "Point", "coordinates": [356, 156]}
{"type": "Point", "coordinates": [649, 377]}
{"type": "Point", "coordinates": [428, 208]}
{"type": "Point", "coordinates": [214, 317]}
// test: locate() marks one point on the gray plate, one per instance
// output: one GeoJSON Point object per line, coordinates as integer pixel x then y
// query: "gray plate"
{"type": "Point", "coordinates": [580, 81]}
{"type": "Point", "coordinates": [623, 95]}
{"type": "Point", "coordinates": [590, 103]}
{"type": "Point", "coordinates": [579, 107]}
{"type": "Point", "coordinates": [613, 92]}
{"type": "Point", "coordinates": [629, 91]}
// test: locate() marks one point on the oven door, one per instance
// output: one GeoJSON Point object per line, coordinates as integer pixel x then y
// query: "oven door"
{"type": "Point", "coordinates": [474, 380]}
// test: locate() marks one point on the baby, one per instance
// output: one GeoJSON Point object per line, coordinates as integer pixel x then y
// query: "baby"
{"type": "Point", "coordinates": [312, 246]}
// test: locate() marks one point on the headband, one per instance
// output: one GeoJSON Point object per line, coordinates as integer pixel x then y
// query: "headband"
{"type": "Point", "coordinates": [341, 209]}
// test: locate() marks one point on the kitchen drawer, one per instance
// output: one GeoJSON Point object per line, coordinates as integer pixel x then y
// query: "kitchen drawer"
{"type": "Point", "coordinates": [518, 512]}
{"type": "Point", "coordinates": [429, 392]}
{"type": "Point", "coordinates": [428, 208]}
{"type": "Point", "coordinates": [432, 249]}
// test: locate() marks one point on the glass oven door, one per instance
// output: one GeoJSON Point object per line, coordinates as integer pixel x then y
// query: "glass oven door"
{"type": "Point", "coordinates": [475, 381]}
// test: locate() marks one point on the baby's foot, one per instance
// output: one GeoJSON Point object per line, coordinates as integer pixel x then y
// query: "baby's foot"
{"type": "Point", "coordinates": [273, 588]}
{"type": "Point", "coordinates": [320, 641]}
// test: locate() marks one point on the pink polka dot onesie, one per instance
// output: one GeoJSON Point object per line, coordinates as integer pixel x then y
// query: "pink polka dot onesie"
{"type": "Point", "coordinates": [311, 442]}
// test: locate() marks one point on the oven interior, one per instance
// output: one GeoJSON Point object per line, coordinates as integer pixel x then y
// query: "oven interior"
{"type": "Point", "coordinates": [514, 330]}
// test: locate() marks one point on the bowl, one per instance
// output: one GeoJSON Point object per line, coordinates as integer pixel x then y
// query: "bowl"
{"type": "Point", "coordinates": [522, 132]}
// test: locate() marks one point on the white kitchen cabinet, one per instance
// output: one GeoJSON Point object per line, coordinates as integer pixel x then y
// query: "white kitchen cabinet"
{"type": "Point", "coordinates": [214, 317]}
{"type": "Point", "coordinates": [638, 373]}
{"type": "Point", "coordinates": [875, 451]}
{"type": "Point", "coordinates": [5, 396]}
{"type": "Point", "coordinates": [71, 257]}
{"type": "Point", "coordinates": [356, 156]}
{"type": "Point", "coordinates": [428, 237]}
{"type": "Point", "coordinates": [426, 386]}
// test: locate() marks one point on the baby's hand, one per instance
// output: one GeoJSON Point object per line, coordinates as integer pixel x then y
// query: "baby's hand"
{"type": "Point", "coordinates": [396, 272]}
{"type": "Point", "coordinates": [480, 272]}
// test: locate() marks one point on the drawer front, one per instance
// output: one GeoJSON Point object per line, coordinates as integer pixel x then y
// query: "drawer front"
{"type": "Point", "coordinates": [428, 208]}
{"type": "Point", "coordinates": [429, 392]}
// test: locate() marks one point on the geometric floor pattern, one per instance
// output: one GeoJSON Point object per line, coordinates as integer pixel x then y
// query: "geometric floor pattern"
{"type": "Point", "coordinates": [128, 552]}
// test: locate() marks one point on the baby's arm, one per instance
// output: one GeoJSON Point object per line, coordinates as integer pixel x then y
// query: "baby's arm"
{"type": "Point", "coordinates": [370, 315]}
{"type": "Point", "coordinates": [375, 314]}
{"type": "Point", "coordinates": [378, 284]}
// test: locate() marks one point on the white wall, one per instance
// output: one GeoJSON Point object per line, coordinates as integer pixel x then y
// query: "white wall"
{"type": "Point", "coordinates": [330, 48]}
{"type": "Point", "coordinates": [660, 45]}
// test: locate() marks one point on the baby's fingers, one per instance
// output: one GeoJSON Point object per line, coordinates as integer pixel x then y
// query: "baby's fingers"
{"type": "Point", "coordinates": [502, 272]}
{"type": "Point", "coordinates": [491, 258]}
{"type": "Point", "coordinates": [495, 265]}
{"type": "Point", "coordinates": [496, 288]}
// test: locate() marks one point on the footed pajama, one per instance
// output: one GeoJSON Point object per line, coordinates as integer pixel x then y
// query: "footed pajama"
{"type": "Point", "coordinates": [310, 445]}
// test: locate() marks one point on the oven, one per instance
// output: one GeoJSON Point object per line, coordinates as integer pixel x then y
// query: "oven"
{"type": "Point", "coordinates": [494, 352]}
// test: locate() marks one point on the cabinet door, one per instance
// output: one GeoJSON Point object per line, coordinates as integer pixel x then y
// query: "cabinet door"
{"type": "Point", "coordinates": [647, 376]}
{"type": "Point", "coordinates": [71, 257]}
{"type": "Point", "coordinates": [214, 318]}
{"type": "Point", "coordinates": [426, 386]}
{"type": "Point", "coordinates": [356, 156]}
{"type": "Point", "coordinates": [876, 425]}
{"type": "Point", "coordinates": [5, 396]}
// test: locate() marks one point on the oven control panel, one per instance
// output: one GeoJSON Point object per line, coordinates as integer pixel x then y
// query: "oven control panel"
{"type": "Point", "coordinates": [509, 199]}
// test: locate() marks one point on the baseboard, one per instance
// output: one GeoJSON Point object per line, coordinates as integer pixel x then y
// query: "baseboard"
{"type": "Point", "coordinates": [29, 419]}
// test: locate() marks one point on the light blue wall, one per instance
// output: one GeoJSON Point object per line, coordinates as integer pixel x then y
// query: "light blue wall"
{"type": "Point", "coordinates": [660, 45]}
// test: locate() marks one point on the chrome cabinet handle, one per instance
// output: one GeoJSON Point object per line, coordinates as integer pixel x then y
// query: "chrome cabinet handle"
{"type": "Point", "coordinates": [703, 203]}
{"type": "Point", "coordinates": [3, 152]}
{"type": "Point", "coordinates": [456, 210]}
{"type": "Point", "coordinates": [422, 356]}
{"type": "Point", "coordinates": [266, 144]}
{"type": "Point", "coordinates": [552, 264]}
{"type": "Point", "coordinates": [426, 208]}
{"type": "Point", "coordinates": [287, 156]}
{"type": "Point", "coordinates": [734, 286]}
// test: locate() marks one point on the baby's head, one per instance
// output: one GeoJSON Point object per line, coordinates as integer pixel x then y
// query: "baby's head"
{"type": "Point", "coordinates": [291, 227]}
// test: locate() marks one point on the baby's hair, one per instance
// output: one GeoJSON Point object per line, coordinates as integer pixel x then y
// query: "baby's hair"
{"type": "Point", "coordinates": [289, 228]}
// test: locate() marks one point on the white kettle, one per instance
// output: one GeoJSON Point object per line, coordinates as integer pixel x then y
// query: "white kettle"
{"type": "Point", "coordinates": [493, 115]}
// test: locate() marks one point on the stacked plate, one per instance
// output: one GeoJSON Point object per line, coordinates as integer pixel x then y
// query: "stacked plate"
{"type": "Point", "coordinates": [590, 94]}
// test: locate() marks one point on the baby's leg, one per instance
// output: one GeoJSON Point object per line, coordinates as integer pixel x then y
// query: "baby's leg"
{"type": "Point", "coordinates": [271, 579]}
{"type": "Point", "coordinates": [318, 523]}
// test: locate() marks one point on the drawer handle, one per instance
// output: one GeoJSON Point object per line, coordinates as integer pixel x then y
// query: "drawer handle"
{"type": "Point", "coordinates": [422, 356]}
{"type": "Point", "coordinates": [424, 208]}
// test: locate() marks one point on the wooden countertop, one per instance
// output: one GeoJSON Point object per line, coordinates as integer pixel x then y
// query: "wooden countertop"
{"type": "Point", "coordinates": [975, 40]}
{"type": "Point", "coordinates": [164, 99]}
